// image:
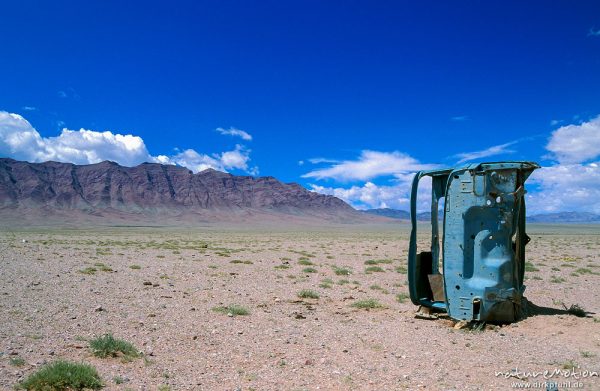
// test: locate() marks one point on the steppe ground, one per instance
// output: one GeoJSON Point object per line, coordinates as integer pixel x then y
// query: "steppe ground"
{"type": "Point", "coordinates": [158, 288]}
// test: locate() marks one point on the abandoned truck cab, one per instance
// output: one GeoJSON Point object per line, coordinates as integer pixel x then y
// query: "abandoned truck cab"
{"type": "Point", "coordinates": [480, 274]}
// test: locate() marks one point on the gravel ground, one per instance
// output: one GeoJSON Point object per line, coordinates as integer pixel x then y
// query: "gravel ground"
{"type": "Point", "coordinates": [164, 305]}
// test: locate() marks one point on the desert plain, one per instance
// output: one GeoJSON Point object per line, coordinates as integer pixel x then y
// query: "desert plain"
{"type": "Point", "coordinates": [169, 292]}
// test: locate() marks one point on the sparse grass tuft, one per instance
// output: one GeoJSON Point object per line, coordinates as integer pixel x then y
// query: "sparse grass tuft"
{"type": "Point", "coordinates": [341, 271]}
{"type": "Point", "coordinates": [378, 261]}
{"type": "Point", "coordinates": [401, 297]}
{"type": "Point", "coordinates": [529, 267]}
{"type": "Point", "coordinates": [569, 364]}
{"type": "Point", "coordinates": [135, 267]}
{"type": "Point", "coordinates": [374, 269]}
{"type": "Point", "coordinates": [308, 294]}
{"type": "Point", "coordinates": [232, 309]}
{"type": "Point", "coordinates": [367, 304]}
{"type": "Point", "coordinates": [309, 270]}
{"type": "Point", "coordinates": [63, 375]}
{"type": "Point", "coordinates": [109, 346]}
{"type": "Point", "coordinates": [326, 283]}
{"type": "Point", "coordinates": [242, 262]}
{"type": "Point", "coordinates": [584, 270]}
{"type": "Point", "coordinates": [282, 267]}
{"type": "Point", "coordinates": [89, 271]}
{"type": "Point", "coordinates": [305, 262]}
{"type": "Point", "coordinates": [557, 280]}
{"type": "Point", "coordinates": [402, 269]}
{"type": "Point", "coordinates": [16, 361]}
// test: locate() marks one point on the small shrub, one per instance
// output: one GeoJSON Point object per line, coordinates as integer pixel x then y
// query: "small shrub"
{"type": "Point", "coordinates": [367, 304]}
{"type": "Point", "coordinates": [109, 346]}
{"type": "Point", "coordinates": [309, 270]}
{"type": "Point", "coordinates": [308, 294]}
{"type": "Point", "coordinates": [343, 282]}
{"type": "Point", "coordinates": [557, 280]}
{"type": "Point", "coordinates": [577, 310]}
{"type": "Point", "coordinates": [135, 267]}
{"type": "Point", "coordinates": [374, 269]}
{"type": "Point", "coordinates": [63, 375]}
{"type": "Point", "coordinates": [305, 262]}
{"type": "Point", "coordinates": [232, 309]}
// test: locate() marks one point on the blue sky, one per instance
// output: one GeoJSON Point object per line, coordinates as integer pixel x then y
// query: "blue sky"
{"type": "Point", "coordinates": [347, 98]}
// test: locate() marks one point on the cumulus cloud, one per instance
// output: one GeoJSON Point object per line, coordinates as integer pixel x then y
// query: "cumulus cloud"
{"type": "Point", "coordinates": [20, 140]}
{"type": "Point", "coordinates": [576, 143]}
{"type": "Point", "coordinates": [370, 164]}
{"type": "Point", "coordinates": [565, 187]}
{"type": "Point", "coordinates": [371, 195]}
{"type": "Point", "coordinates": [491, 151]}
{"type": "Point", "coordinates": [235, 132]}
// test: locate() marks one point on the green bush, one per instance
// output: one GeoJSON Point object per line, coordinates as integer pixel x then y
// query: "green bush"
{"type": "Point", "coordinates": [367, 304]}
{"type": "Point", "coordinates": [62, 376]}
{"type": "Point", "coordinates": [308, 294]}
{"type": "Point", "coordinates": [109, 346]}
{"type": "Point", "coordinates": [232, 309]}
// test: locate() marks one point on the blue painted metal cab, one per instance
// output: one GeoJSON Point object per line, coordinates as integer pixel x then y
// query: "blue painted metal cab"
{"type": "Point", "coordinates": [480, 273]}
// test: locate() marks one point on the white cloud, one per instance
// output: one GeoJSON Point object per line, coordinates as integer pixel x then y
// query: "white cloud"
{"type": "Point", "coordinates": [491, 151]}
{"type": "Point", "coordinates": [319, 160]}
{"type": "Point", "coordinates": [576, 143]}
{"type": "Point", "coordinates": [370, 164]}
{"type": "Point", "coordinates": [19, 140]}
{"type": "Point", "coordinates": [235, 132]}
{"type": "Point", "coordinates": [29, 108]}
{"type": "Point", "coordinates": [372, 196]}
{"type": "Point", "coordinates": [565, 187]}
{"type": "Point", "coordinates": [460, 118]}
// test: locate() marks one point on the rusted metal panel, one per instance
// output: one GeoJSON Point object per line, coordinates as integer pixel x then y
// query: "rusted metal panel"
{"type": "Point", "coordinates": [483, 244]}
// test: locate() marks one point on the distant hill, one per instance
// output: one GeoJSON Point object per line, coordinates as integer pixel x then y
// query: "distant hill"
{"type": "Point", "coordinates": [388, 212]}
{"type": "Point", "coordinates": [34, 192]}
{"type": "Point", "coordinates": [565, 217]}
{"type": "Point", "coordinates": [559, 217]}
{"type": "Point", "coordinates": [397, 214]}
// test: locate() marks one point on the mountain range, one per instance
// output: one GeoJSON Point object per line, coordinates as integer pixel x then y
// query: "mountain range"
{"type": "Point", "coordinates": [107, 191]}
{"type": "Point", "coordinates": [558, 217]}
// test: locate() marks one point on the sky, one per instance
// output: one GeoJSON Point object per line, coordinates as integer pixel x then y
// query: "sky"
{"type": "Point", "coordinates": [344, 97]}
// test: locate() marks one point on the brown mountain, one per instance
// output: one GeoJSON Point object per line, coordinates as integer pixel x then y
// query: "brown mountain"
{"type": "Point", "coordinates": [157, 192]}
